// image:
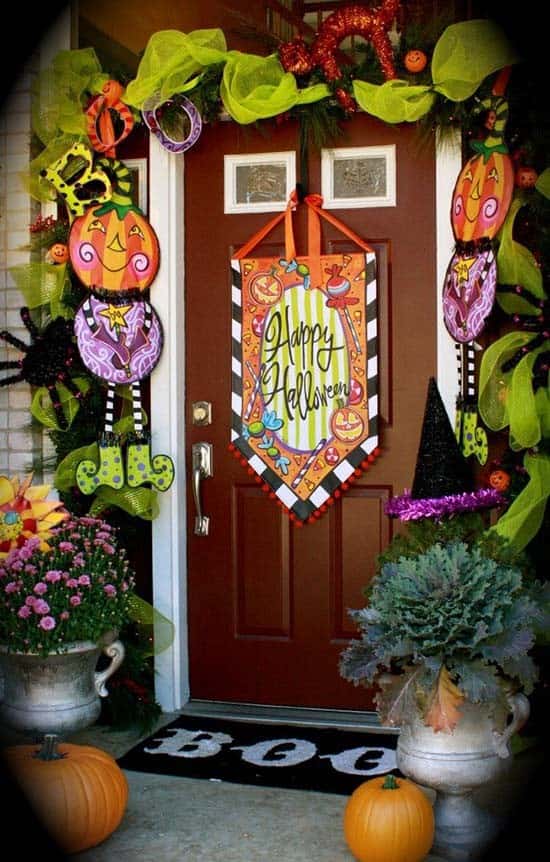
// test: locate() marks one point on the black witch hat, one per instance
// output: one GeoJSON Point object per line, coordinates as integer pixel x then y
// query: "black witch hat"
{"type": "Point", "coordinates": [443, 482]}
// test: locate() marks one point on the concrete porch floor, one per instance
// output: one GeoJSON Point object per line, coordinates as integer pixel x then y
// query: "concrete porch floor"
{"type": "Point", "coordinates": [173, 819]}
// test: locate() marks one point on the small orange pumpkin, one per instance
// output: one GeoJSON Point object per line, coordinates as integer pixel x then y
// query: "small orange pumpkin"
{"type": "Point", "coordinates": [525, 177]}
{"type": "Point", "coordinates": [78, 792]}
{"type": "Point", "coordinates": [389, 819]}
{"type": "Point", "coordinates": [58, 253]}
{"type": "Point", "coordinates": [415, 61]}
{"type": "Point", "coordinates": [499, 480]}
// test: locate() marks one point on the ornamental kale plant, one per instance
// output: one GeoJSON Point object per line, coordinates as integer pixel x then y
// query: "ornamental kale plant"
{"type": "Point", "coordinates": [78, 589]}
{"type": "Point", "coordinates": [449, 624]}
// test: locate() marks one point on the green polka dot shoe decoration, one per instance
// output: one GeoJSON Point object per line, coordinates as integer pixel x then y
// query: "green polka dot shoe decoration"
{"type": "Point", "coordinates": [89, 475]}
{"type": "Point", "coordinates": [474, 439]}
{"type": "Point", "coordinates": [140, 469]}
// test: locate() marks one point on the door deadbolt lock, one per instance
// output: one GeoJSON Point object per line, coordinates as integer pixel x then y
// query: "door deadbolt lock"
{"type": "Point", "coordinates": [201, 412]}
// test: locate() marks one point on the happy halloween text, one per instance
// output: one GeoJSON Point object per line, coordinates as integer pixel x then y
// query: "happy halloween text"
{"type": "Point", "coordinates": [315, 347]}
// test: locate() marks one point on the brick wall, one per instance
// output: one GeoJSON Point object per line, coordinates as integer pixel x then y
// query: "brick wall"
{"type": "Point", "coordinates": [20, 443]}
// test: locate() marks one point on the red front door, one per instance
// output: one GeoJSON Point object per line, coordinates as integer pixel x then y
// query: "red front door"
{"type": "Point", "coordinates": [268, 602]}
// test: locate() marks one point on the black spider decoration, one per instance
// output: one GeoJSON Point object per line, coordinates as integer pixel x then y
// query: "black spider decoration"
{"type": "Point", "coordinates": [47, 361]}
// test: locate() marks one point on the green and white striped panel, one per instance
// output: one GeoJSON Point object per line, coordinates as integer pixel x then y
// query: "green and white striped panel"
{"type": "Point", "coordinates": [305, 366]}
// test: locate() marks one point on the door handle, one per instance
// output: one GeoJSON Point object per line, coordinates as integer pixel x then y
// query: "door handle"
{"type": "Point", "coordinates": [202, 469]}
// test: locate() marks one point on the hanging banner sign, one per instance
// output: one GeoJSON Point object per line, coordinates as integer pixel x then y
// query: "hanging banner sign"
{"type": "Point", "coordinates": [305, 370]}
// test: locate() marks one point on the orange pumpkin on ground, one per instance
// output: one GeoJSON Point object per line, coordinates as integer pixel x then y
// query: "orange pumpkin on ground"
{"type": "Point", "coordinates": [78, 792]}
{"type": "Point", "coordinates": [389, 819]}
{"type": "Point", "coordinates": [113, 247]}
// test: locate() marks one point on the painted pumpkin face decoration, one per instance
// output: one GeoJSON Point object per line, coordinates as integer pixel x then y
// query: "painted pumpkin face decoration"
{"type": "Point", "coordinates": [482, 195]}
{"type": "Point", "coordinates": [114, 247]}
{"type": "Point", "coordinates": [346, 424]}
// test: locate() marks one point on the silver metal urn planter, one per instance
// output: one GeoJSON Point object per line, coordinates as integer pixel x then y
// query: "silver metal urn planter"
{"type": "Point", "coordinates": [58, 693]}
{"type": "Point", "coordinates": [456, 764]}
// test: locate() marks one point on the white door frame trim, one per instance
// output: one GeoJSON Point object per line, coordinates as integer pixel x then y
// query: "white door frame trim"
{"type": "Point", "coordinates": [169, 551]}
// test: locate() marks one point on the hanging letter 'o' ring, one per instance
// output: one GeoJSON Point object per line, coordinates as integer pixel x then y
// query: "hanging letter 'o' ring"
{"type": "Point", "coordinates": [151, 110]}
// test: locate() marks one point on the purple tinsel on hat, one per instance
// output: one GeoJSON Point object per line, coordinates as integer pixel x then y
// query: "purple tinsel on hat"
{"type": "Point", "coordinates": [406, 508]}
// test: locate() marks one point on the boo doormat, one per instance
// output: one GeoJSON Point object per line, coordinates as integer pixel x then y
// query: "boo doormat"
{"type": "Point", "coordinates": [273, 755]}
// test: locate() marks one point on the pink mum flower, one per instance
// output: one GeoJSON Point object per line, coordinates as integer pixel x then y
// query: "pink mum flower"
{"type": "Point", "coordinates": [28, 548]}
{"type": "Point", "coordinates": [72, 582]}
{"type": "Point", "coordinates": [66, 546]}
{"type": "Point", "coordinates": [110, 590]}
{"type": "Point", "coordinates": [11, 587]}
{"type": "Point", "coordinates": [41, 607]}
{"type": "Point", "coordinates": [24, 612]}
{"type": "Point", "coordinates": [47, 623]}
{"type": "Point", "coordinates": [75, 600]}
{"type": "Point", "coordinates": [30, 601]}
{"type": "Point", "coordinates": [53, 576]}
{"type": "Point", "coordinates": [84, 580]}
{"type": "Point", "coordinates": [64, 615]}
{"type": "Point", "coordinates": [40, 588]}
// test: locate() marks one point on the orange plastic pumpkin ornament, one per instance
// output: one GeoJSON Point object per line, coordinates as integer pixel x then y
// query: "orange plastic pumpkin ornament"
{"type": "Point", "coordinates": [415, 61]}
{"type": "Point", "coordinates": [499, 480]}
{"type": "Point", "coordinates": [58, 253]}
{"type": "Point", "coordinates": [525, 177]}
{"type": "Point", "coordinates": [389, 819]}
{"type": "Point", "coordinates": [78, 792]}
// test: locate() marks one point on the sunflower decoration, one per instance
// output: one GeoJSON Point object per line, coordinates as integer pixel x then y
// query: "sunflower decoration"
{"type": "Point", "coordinates": [25, 512]}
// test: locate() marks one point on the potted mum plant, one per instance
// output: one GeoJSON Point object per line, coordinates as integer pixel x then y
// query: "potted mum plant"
{"type": "Point", "coordinates": [62, 603]}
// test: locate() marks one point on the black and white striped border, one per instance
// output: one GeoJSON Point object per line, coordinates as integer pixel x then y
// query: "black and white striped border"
{"type": "Point", "coordinates": [303, 509]}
